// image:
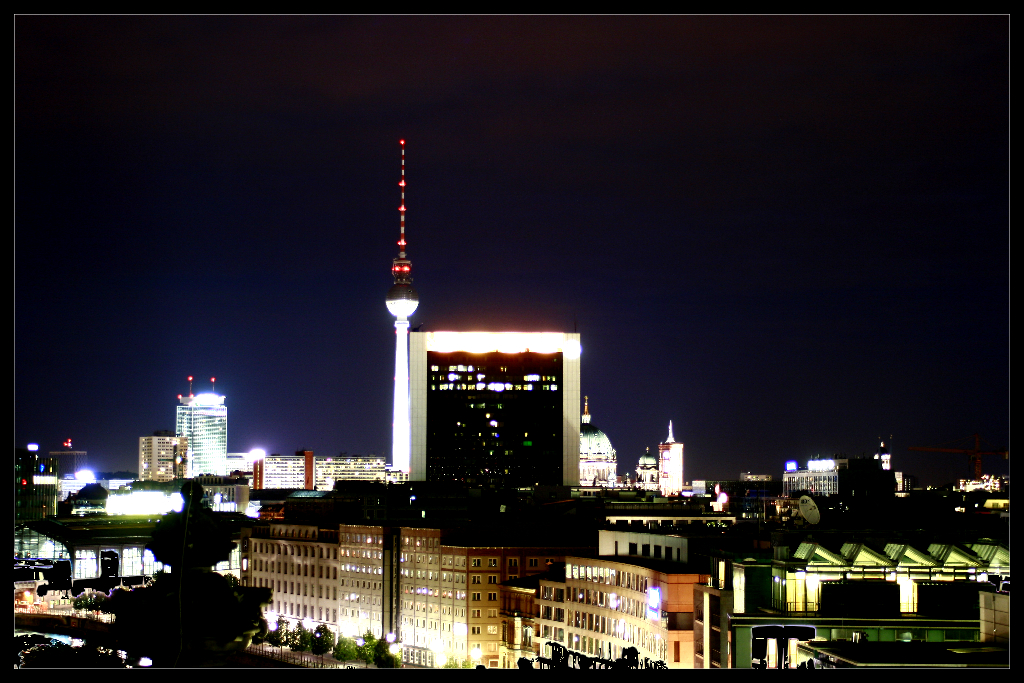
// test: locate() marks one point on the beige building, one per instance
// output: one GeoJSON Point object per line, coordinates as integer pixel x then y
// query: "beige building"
{"type": "Point", "coordinates": [160, 454]}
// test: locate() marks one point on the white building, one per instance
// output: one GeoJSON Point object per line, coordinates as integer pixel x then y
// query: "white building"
{"type": "Point", "coordinates": [344, 467]}
{"type": "Point", "coordinates": [670, 456]}
{"type": "Point", "coordinates": [158, 455]}
{"type": "Point", "coordinates": [203, 419]}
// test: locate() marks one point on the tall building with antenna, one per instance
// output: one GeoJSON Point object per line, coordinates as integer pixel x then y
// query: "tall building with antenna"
{"type": "Point", "coordinates": [401, 301]}
{"type": "Point", "coordinates": [203, 420]}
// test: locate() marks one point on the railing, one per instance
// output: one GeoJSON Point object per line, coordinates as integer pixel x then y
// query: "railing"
{"type": "Point", "coordinates": [304, 659]}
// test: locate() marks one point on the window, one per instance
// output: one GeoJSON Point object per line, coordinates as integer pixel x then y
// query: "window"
{"type": "Point", "coordinates": [492, 613]}
{"type": "Point", "coordinates": [492, 596]}
{"type": "Point", "coordinates": [476, 613]}
{"type": "Point", "coordinates": [492, 579]}
{"type": "Point", "coordinates": [492, 628]}
{"type": "Point", "coordinates": [476, 561]}
{"type": "Point", "coordinates": [513, 562]}
{"type": "Point", "coordinates": [492, 562]}
{"type": "Point", "coordinates": [533, 561]}
{"type": "Point", "coordinates": [476, 579]}
{"type": "Point", "coordinates": [476, 596]}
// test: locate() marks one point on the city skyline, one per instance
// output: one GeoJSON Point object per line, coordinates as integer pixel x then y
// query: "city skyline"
{"type": "Point", "coordinates": [787, 235]}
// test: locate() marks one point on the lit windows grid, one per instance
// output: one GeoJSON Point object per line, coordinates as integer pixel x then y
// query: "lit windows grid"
{"type": "Point", "coordinates": [494, 415]}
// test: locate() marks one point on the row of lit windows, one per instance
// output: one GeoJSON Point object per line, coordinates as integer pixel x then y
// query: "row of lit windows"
{"type": "Point", "coordinates": [630, 580]}
{"type": "Point", "coordinates": [492, 386]}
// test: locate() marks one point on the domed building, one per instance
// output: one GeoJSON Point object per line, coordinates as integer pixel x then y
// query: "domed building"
{"type": "Point", "coordinates": [647, 476]}
{"type": "Point", "coordinates": [597, 455]}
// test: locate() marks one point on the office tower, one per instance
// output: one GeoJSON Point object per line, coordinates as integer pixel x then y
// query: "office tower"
{"type": "Point", "coordinates": [160, 454]}
{"type": "Point", "coordinates": [401, 301]}
{"type": "Point", "coordinates": [68, 461]}
{"type": "Point", "coordinates": [203, 420]}
{"type": "Point", "coordinates": [597, 455]}
{"type": "Point", "coordinates": [670, 455]}
{"type": "Point", "coordinates": [495, 406]}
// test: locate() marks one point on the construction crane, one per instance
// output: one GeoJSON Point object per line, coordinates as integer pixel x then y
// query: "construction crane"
{"type": "Point", "coordinates": [973, 454]}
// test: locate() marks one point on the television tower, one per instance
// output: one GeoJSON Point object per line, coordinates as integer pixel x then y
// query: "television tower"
{"type": "Point", "coordinates": [402, 300]}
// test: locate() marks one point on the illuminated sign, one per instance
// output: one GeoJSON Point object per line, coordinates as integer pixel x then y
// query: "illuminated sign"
{"type": "Point", "coordinates": [791, 466]}
{"type": "Point", "coordinates": [503, 342]}
{"type": "Point", "coordinates": [821, 465]}
{"type": "Point", "coordinates": [653, 604]}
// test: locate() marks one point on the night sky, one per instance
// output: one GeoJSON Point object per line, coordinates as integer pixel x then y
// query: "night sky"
{"type": "Point", "coordinates": [788, 235]}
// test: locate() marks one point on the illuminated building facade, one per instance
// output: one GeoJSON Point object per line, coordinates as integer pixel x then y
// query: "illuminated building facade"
{"type": "Point", "coordinates": [203, 420]}
{"type": "Point", "coordinates": [278, 471]}
{"type": "Point", "coordinates": [820, 477]}
{"type": "Point", "coordinates": [670, 456]}
{"type": "Point", "coordinates": [598, 466]}
{"type": "Point", "coordinates": [884, 456]}
{"type": "Point", "coordinates": [498, 406]}
{"type": "Point", "coordinates": [606, 604]}
{"type": "Point", "coordinates": [159, 454]}
{"type": "Point", "coordinates": [439, 599]}
{"type": "Point", "coordinates": [345, 467]}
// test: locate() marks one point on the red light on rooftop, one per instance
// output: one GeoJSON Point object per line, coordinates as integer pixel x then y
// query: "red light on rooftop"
{"type": "Point", "coordinates": [401, 243]}
{"type": "Point", "coordinates": [213, 379]}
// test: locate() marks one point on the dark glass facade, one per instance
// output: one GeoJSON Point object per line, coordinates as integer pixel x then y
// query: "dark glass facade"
{"type": "Point", "coordinates": [494, 417]}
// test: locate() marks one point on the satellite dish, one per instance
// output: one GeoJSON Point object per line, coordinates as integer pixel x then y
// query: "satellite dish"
{"type": "Point", "coordinates": [809, 510]}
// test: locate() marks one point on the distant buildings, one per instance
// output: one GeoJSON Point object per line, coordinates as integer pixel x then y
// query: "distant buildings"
{"type": "Point", "coordinates": [495, 406]}
{"type": "Point", "coordinates": [160, 456]}
{"type": "Point", "coordinates": [304, 470]}
{"type": "Point", "coordinates": [598, 466]}
{"type": "Point", "coordinates": [203, 420]}
{"type": "Point", "coordinates": [69, 461]}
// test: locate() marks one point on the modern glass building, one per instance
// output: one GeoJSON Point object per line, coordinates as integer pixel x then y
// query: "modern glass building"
{"type": "Point", "coordinates": [501, 406]}
{"type": "Point", "coordinates": [203, 420]}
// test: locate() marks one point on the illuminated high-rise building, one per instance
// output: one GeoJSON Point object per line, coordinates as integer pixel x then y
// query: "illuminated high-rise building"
{"type": "Point", "coordinates": [670, 465]}
{"type": "Point", "coordinates": [496, 406]}
{"type": "Point", "coordinates": [401, 301]}
{"type": "Point", "coordinates": [203, 420]}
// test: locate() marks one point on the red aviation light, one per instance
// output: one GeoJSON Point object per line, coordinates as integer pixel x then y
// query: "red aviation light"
{"type": "Point", "coordinates": [402, 208]}
{"type": "Point", "coordinates": [401, 183]}
{"type": "Point", "coordinates": [190, 378]}
{"type": "Point", "coordinates": [406, 268]}
{"type": "Point", "coordinates": [401, 243]}
{"type": "Point", "coordinates": [401, 142]}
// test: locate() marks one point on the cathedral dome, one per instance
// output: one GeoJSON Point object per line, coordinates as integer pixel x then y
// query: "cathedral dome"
{"type": "Point", "coordinates": [598, 466]}
{"type": "Point", "coordinates": [648, 460]}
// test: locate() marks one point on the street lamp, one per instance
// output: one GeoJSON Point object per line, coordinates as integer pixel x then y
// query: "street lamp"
{"type": "Point", "coordinates": [437, 647]}
{"type": "Point", "coordinates": [475, 654]}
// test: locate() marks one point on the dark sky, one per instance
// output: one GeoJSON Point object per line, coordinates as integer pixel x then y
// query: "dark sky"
{"type": "Point", "coordinates": [788, 235]}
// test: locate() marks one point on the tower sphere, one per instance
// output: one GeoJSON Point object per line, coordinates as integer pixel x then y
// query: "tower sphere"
{"type": "Point", "coordinates": [402, 300]}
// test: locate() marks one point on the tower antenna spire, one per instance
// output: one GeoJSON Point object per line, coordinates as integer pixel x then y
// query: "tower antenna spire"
{"type": "Point", "coordinates": [401, 209]}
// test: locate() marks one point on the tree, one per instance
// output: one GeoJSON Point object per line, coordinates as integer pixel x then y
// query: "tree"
{"type": "Point", "coordinates": [382, 656]}
{"type": "Point", "coordinates": [345, 650]}
{"type": "Point", "coordinates": [279, 636]}
{"type": "Point", "coordinates": [301, 639]}
{"type": "Point", "coordinates": [365, 652]}
{"type": "Point", "coordinates": [323, 641]}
